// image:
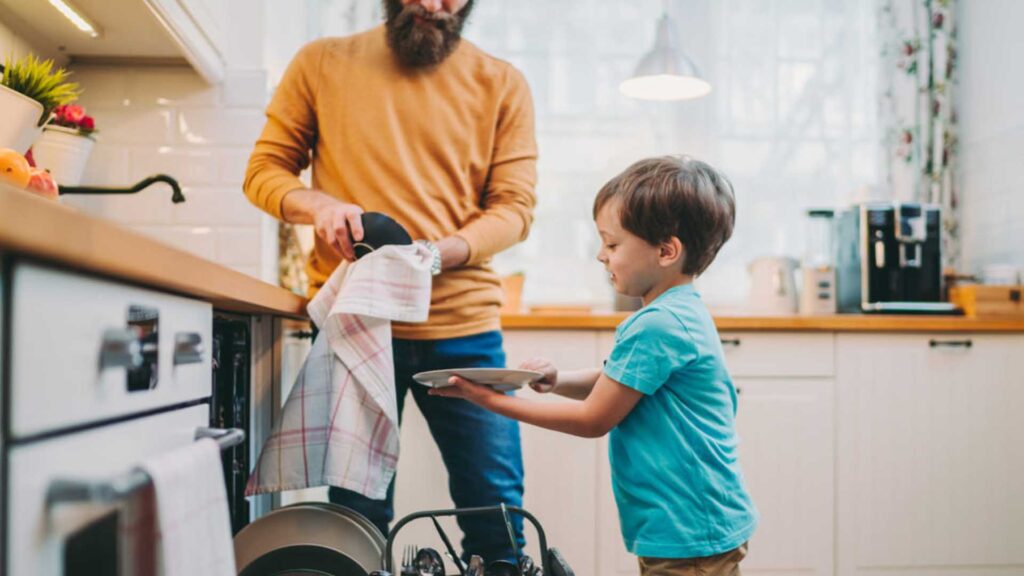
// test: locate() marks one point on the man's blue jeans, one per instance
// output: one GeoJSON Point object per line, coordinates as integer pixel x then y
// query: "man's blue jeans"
{"type": "Point", "coordinates": [480, 449]}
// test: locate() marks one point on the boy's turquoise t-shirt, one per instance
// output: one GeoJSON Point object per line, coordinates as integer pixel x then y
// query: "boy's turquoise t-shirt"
{"type": "Point", "coordinates": [676, 478]}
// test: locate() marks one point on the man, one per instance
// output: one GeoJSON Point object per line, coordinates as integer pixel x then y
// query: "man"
{"type": "Point", "coordinates": [409, 120]}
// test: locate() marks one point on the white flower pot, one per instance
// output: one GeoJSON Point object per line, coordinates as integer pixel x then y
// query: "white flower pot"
{"type": "Point", "coordinates": [19, 120]}
{"type": "Point", "coordinates": [64, 153]}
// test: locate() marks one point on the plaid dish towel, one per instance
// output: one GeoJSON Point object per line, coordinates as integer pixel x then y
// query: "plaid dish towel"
{"type": "Point", "coordinates": [339, 426]}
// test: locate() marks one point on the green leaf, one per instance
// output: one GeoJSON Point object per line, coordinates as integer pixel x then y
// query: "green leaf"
{"type": "Point", "coordinates": [38, 80]}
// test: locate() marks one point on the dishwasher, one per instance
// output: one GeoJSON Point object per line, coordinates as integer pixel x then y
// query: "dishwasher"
{"type": "Point", "coordinates": [331, 540]}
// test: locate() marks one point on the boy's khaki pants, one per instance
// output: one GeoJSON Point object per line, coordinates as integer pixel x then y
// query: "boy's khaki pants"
{"type": "Point", "coordinates": [724, 564]}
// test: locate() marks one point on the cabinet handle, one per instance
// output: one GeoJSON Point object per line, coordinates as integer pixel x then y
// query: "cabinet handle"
{"type": "Point", "coordinates": [967, 343]}
{"type": "Point", "coordinates": [121, 348]}
{"type": "Point", "coordinates": [734, 342]}
{"type": "Point", "coordinates": [188, 348]}
{"type": "Point", "coordinates": [301, 334]}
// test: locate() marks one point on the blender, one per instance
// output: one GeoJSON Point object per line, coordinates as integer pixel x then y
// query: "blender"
{"type": "Point", "coordinates": [819, 276]}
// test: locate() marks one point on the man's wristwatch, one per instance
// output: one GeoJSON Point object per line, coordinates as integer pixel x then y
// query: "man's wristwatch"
{"type": "Point", "coordinates": [435, 265]}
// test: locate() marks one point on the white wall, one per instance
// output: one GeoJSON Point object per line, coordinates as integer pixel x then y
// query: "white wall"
{"type": "Point", "coordinates": [11, 45]}
{"type": "Point", "coordinates": [992, 132]}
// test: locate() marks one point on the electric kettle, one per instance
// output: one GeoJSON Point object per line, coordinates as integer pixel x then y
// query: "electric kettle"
{"type": "Point", "coordinates": [772, 285]}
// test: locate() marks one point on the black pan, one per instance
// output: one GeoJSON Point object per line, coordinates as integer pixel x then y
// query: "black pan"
{"type": "Point", "coordinates": [379, 229]}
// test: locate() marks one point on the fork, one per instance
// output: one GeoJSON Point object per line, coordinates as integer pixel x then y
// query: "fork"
{"type": "Point", "coordinates": [409, 560]}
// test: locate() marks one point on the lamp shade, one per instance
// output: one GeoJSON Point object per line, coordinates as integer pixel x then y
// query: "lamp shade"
{"type": "Point", "coordinates": [665, 73]}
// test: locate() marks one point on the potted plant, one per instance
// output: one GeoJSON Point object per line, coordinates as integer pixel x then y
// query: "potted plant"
{"type": "Point", "coordinates": [30, 89]}
{"type": "Point", "coordinates": [64, 147]}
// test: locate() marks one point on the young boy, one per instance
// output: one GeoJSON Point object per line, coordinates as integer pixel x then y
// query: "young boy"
{"type": "Point", "coordinates": [664, 393]}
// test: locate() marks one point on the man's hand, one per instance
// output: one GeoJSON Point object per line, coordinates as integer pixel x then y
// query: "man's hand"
{"type": "Point", "coordinates": [336, 222]}
{"type": "Point", "coordinates": [545, 367]}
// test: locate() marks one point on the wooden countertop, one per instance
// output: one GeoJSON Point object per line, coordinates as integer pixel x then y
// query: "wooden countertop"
{"type": "Point", "coordinates": [47, 231]}
{"type": "Point", "coordinates": [830, 323]}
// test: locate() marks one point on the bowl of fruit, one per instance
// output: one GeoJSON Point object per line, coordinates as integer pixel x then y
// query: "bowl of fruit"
{"type": "Point", "coordinates": [17, 172]}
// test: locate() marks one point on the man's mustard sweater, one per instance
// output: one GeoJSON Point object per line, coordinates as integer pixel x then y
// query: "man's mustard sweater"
{"type": "Point", "coordinates": [445, 151]}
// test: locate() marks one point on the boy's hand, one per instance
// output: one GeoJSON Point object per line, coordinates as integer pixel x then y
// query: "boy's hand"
{"type": "Point", "coordinates": [462, 388]}
{"type": "Point", "coordinates": [545, 367]}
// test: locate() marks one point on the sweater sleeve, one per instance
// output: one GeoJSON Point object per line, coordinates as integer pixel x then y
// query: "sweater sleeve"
{"type": "Point", "coordinates": [283, 148]}
{"type": "Point", "coordinates": [508, 198]}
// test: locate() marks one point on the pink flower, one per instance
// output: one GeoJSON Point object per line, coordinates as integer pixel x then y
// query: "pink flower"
{"type": "Point", "coordinates": [87, 123]}
{"type": "Point", "coordinates": [73, 113]}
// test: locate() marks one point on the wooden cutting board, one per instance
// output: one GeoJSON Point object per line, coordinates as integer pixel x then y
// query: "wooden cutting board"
{"type": "Point", "coordinates": [981, 301]}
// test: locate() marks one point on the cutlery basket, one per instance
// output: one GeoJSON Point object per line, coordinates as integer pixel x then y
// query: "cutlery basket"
{"type": "Point", "coordinates": [551, 559]}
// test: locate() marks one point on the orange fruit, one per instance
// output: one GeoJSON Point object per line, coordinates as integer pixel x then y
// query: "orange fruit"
{"type": "Point", "coordinates": [14, 169]}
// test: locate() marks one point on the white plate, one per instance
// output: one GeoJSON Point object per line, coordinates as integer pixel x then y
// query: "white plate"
{"type": "Point", "coordinates": [501, 379]}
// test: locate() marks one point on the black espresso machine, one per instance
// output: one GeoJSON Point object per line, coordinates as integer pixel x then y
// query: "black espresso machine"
{"type": "Point", "coordinates": [889, 259]}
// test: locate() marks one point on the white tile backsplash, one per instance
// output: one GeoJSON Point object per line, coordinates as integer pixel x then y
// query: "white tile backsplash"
{"type": "Point", "coordinates": [199, 240]}
{"type": "Point", "coordinates": [134, 124]}
{"type": "Point", "coordinates": [245, 89]}
{"type": "Point", "coordinates": [219, 126]}
{"type": "Point", "coordinates": [197, 167]}
{"type": "Point", "coordinates": [216, 206]}
{"type": "Point", "coordinates": [233, 162]}
{"type": "Point", "coordinates": [168, 120]}
{"type": "Point", "coordinates": [109, 165]}
{"type": "Point", "coordinates": [235, 245]}
{"type": "Point", "coordinates": [172, 87]}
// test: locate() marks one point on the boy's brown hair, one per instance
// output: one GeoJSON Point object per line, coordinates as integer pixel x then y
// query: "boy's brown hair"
{"type": "Point", "coordinates": [674, 196]}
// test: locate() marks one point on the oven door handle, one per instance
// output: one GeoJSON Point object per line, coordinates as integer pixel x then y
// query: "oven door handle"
{"type": "Point", "coordinates": [67, 490]}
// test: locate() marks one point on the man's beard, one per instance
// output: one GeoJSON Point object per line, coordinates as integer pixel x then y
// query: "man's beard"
{"type": "Point", "coordinates": [423, 44]}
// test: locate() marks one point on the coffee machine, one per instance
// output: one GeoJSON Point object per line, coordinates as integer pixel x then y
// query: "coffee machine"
{"type": "Point", "coordinates": [889, 259]}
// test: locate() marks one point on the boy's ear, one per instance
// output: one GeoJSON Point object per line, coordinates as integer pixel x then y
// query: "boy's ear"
{"type": "Point", "coordinates": [671, 252]}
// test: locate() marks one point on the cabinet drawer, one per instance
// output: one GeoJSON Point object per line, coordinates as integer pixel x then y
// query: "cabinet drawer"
{"type": "Point", "coordinates": [74, 338]}
{"type": "Point", "coordinates": [787, 354]}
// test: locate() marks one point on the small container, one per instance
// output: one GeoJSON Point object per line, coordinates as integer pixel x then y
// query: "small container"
{"type": "Point", "coordinates": [64, 153]}
{"type": "Point", "coordinates": [1000, 274]}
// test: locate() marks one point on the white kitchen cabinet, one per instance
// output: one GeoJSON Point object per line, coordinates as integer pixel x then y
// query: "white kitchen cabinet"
{"type": "Point", "coordinates": [785, 420]}
{"type": "Point", "coordinates": [199, 28]}
{"type": "Point", "coordinates": [786, 428]}
{"type": "Point", "coordinates": [930, 454]}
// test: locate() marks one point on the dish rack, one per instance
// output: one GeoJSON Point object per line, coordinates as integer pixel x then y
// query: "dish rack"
{"type": "Point", "coordinates": [552, 561]}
